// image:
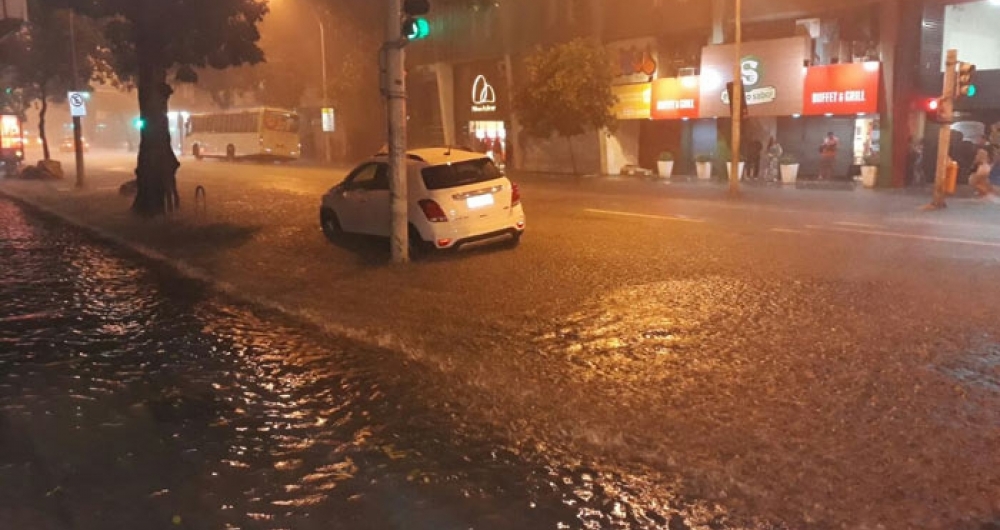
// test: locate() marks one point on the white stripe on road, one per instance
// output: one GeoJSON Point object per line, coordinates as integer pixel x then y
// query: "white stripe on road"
{"type": "Point", "coordinates": [936, 239]}
{"type": "Point", "coordinates": [788, 231]}
{"type": "Point", "coordinates": [858, 225]}
{"type": "Point", "coordinates": [645, 216]}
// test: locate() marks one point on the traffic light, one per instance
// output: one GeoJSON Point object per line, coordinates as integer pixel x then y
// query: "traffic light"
{"type": "Point", "coordinates": [415, 26]}
{"type": "Point", "coordinates": [139, 124]}
{"type": "Point", "coordinates": [744, 109]}
{"type": "Point", "coordinates": [934, 110]}
{"type": "Point", "coordinates": [966, 71]}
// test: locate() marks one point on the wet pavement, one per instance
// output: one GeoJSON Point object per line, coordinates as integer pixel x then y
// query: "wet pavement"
{"type": "Point", "coordinates": [132, 399]}
{"type": "Point", "coordinates": [824, 361]}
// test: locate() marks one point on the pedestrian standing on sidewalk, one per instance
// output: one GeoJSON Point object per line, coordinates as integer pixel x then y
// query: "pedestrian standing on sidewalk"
{"type": "Point", "coordinates": [753, 159]}
{"type": "Point", "coordinates": [828, 155]}
{"type": "Point", "coordinates": [774, 152]}
{"type": "Point", "coordinates": [980, 177]}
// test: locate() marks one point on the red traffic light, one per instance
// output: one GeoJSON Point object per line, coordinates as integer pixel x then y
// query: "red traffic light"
{"type": "Point", "coordinates": [933, 104]}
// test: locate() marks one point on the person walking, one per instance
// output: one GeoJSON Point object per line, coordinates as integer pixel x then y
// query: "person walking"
{"type": "Point", "coordinates": [980, 177]}
{"type": "Point", "coordinates": [774, 152]}
{"type": "Point", "coordinates": [828, 155]}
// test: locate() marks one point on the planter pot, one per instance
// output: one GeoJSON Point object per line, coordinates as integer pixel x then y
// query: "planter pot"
{"type": "Point", "coordinates": [789, 172]}
{"type": "Point", "coordinates": [704, 170]}
{"type": "Point", "coordinates": [729, 169]}
{"type": "Point", "coordinates": [665, 168]}
{"type": "Point", "coordinates": [868, 176]}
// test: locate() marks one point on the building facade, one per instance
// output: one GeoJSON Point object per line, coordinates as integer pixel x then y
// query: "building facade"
{"type": "Point", "coordinates": [809, 69]}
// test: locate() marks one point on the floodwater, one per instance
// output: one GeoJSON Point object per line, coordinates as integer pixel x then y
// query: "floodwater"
{"type": "Point", "coordinates": [131, 399]}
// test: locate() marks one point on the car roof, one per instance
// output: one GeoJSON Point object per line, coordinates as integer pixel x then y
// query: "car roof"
{"type": "Point", "coordinates": [439, 156]}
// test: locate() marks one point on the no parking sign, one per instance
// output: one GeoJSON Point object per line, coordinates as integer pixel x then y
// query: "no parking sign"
{"type": "Point", "coordinates": [77, 104]}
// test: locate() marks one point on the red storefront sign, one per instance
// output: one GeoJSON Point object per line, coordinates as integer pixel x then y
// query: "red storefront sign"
{"type": "Point", "coordinates": [850, 88]}
{"type": "Point", "coordinates": [675, 98]}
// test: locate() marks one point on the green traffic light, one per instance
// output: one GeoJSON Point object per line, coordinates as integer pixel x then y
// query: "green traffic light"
{"type": "Point", "coordinates": [140, 123]}
{"type": "Point", "coordinates": [971, 91]}
{"type": "Point", "coordinates": [417, 28]}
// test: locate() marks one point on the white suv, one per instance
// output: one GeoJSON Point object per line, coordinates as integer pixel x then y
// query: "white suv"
{"type": "Point", "coordinates": [455, 197]}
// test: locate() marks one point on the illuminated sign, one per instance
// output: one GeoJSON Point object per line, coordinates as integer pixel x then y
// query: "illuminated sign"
{"type": "Point", "coordinates": [484, 97]}
{"type": "Point", "coordinates": [632, 101]}
{"type": "Point", "coordinates": [850, 88]}
{"type": "Point", "coordinates": [675, 98]}
{"type": "Point", "coordinates": [752, 72]}
{"type": "Point", "coordinates": [771, 70]}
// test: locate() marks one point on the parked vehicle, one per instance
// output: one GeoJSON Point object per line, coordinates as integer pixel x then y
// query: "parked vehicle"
{"type": "Point", "coordinates": [11, 143]}
{"type": "Point", "coordinates": [456, 197]}
{"type": "Point", "coordinates": [68, 146]}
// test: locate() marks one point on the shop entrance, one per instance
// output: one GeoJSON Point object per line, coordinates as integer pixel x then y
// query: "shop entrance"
{"type": "Point", "coordinates": [489, 137]}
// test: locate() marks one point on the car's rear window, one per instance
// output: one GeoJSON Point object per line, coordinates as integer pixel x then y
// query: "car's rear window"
{"type": "Point", "coordinates": [460, 174]}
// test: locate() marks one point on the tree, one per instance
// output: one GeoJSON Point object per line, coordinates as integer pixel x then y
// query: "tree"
{"type": "Point", "coordinates": [150, 40]}
{"type": "Point", "coordinates": [41, 59]}
{"type": "Point", "coordinates": [566, 90]}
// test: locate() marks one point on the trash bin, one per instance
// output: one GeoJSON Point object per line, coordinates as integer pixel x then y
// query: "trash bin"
{"type": "Point", "coordinates": [951, 177]}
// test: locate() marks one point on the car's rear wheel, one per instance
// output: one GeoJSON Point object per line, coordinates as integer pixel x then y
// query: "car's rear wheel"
{"type": "Point", "coordinates": [330, 224]}
{"type": "Point", "coordinates": [516, 239]}
{"type": "Point", "coordinates": [417, 246]}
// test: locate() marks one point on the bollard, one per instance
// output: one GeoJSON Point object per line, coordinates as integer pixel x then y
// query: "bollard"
{"type": "Point", "coordinates": [200, 200]}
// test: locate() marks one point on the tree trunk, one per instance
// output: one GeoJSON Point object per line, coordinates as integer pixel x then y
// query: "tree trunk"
{"type": "Point", "coordinates": [572, 153]}
{"type": "Point", "coordinates": [156, 174]}
{"type": "Point", "coordinates": [46, 154]}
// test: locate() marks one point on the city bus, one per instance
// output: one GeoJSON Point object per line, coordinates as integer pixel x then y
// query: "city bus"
{"type": "Point", "coordinates": [263, 133]}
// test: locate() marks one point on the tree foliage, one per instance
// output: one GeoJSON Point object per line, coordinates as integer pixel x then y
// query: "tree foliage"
{"type": "Point", "coordinates": [41, 60]}
{"type": "Point", "coordinates": [155, 42]}
{"type": "Point", "coordinates": [566, 90]}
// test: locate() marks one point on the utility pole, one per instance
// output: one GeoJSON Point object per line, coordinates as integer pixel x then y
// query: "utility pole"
{"type": "Point", "coordinates": [737, 106]}
{"type": "Point", "coordinates": [77, 121]}
{"type": "Point", "coordinates": [944, 135]}
{"type": "Point", "coordinates": [394, 88]}
{"type": "Point", "coordinates": [326, 83]}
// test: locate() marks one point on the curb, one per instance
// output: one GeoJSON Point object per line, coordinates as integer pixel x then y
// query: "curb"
{"type": "Point", "coordinates": [187, 271]}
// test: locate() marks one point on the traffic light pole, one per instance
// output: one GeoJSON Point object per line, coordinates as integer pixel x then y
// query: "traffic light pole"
{"type": "Point", "coordinates": [944, 135]}
{"type": "Point", "coordinates": [737, 107]}
{"type": "Point", "coordinates": [394, 88]}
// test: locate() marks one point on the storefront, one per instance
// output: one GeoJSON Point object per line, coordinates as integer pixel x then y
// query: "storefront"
{"type": "Point", "coordinates": [482, 104]}
{"type": "Point", "coordinates": [636, 65]}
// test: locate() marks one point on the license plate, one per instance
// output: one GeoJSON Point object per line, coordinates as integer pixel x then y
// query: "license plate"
{"type": "Point", "coordinates": [479, 201]}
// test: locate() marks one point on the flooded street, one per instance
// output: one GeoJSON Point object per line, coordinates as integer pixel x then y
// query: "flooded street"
{"type": "Point", "coordinates": [132, 399]}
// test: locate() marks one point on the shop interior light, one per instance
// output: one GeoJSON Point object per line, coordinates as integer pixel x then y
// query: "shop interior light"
{"type": "Point", "coordinates": [871, 66]}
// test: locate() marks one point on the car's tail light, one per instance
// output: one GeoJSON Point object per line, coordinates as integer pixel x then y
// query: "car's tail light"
{"type": "Point", "coordinates": [515, 195]}
{"type": "Point", "coordinates": [433, 211]}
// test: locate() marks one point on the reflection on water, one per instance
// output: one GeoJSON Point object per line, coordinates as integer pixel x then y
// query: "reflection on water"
{"type": "Point", "coordinates": [129, 399]}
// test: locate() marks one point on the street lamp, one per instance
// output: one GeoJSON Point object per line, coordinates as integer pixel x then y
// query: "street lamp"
{"type": "Point", "coordinates": [326, 89]}
{"type": "Point", "coordinates": [323, 68]}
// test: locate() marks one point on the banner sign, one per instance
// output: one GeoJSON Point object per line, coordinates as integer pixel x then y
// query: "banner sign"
{"type": "Point", "coordinates": [675, 98]}
{"type": "Point", "coordinates": [850, 88]}
{"type": "Point", "coordinates": [633, 101]}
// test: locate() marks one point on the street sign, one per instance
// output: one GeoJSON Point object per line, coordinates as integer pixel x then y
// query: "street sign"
{"type": "Point", "coordinates": [329, 120]}
{"type": "Point", "coordinates": [77, 104]}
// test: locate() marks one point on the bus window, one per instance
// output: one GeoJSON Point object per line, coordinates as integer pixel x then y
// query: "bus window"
{"type": "Point", "coordinates": [281, 122]}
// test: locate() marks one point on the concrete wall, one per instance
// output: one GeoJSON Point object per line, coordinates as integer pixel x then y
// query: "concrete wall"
{"type": "Point", "coordinates": [552, 155]}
